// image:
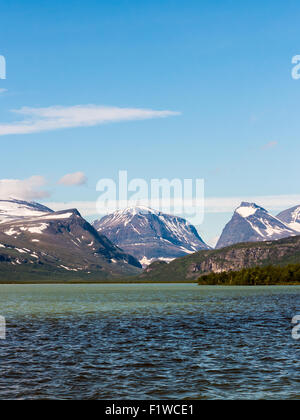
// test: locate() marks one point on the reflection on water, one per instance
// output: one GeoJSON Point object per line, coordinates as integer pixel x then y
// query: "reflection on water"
{"type": "Point", "coordinates": [149, 342]}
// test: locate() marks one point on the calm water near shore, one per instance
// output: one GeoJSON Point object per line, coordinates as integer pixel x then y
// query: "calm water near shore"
{"type": "Point", "coordinates": [149, 341]}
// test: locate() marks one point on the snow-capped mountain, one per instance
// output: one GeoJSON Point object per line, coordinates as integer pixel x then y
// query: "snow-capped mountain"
{"type": "Point", "coordinates": [13, 209]}
{"type": "Point", "coordinates": [291, 217]}
{"type": "Point", "coordinates": [150, 235]}
{"type": "Point", "coordinates": [33, 240]}
{"type": "Point", "coordinates": [251, 223]}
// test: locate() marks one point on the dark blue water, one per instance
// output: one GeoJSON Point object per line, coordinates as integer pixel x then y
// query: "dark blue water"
{"type": "Point", "coordinates": [149, 342]}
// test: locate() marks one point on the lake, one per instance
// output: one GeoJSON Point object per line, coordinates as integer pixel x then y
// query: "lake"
{"type": "Point", "coordinates": [149, 341]}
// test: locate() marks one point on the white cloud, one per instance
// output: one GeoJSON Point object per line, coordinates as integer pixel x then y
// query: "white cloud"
{"type": "Point", "coordinates": [273, 203]}
{"type": "Point", "coordinates": [270, 202]}
{"type": "Point", "coordinates": [77, 178]}
{"type": "Point", "coordinates": [58, 117]}
{"type": "Point", "coordinates": [86, 208]}
{"type": "Point", "coordinates": [27, 189]}
{"type": "Point", "coordinates": [3, 91]}
{"type": "Point", "coordinates": [270, 145]}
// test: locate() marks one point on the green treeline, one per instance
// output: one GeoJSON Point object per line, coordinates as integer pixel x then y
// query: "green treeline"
{"type": "Point", "coordinates": [269, 275]}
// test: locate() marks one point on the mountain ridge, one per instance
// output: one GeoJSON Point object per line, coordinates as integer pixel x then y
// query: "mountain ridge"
{"type": "Point", "coordinates": [150, 234]}
{"type": "Point", "coordinates": [291, 217]}
{"type": "Point", "coordinates": [12, 209]}
{"type": "Point", "coordinates": [252, 223]}
{"type": "Point", "coordinates": [61, 242]}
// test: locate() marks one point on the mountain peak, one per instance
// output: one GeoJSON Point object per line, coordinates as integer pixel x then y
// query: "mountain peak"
{"type": "Point", "coordinates": [252, 223]}
{"type": "Point", "coordinates": [291, 217]}
{"type": "Point", "coordinates": [150, 235]}
{"type": "Point", "coordinates": [248, 209]}
{"type": "Point", "coordinates": [134, 210]}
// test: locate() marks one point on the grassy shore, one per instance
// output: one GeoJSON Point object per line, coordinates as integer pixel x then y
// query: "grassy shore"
{"type": "Point", "coordinates": [24, 275]}
{"type": "Point", "coordinates": [256, 276]}
{"type": "Point", "coordinates": [95, 281]}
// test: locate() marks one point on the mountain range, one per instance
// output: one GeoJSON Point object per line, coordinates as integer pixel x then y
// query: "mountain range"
{"type": "Point", "coordinates": [38, 244]}
{"type": "Point", "coordinates": [34, 240]}
{"type": "Point", "coordinates": [150, 235]}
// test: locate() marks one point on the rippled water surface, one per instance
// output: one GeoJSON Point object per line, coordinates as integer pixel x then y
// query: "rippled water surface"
{"type": "Point", "coordinates": [149, 342]}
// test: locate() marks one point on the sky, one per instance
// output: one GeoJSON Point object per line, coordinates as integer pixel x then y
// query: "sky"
{"type": "Point", "coordinates": [160, 89]}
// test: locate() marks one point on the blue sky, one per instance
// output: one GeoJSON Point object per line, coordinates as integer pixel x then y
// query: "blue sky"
{"type": "Point", "coordinates": [225, 66]}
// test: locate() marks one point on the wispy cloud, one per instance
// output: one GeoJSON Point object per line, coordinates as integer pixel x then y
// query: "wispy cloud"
{"type": "Point", "coordinates": [77, 178]}
{"type": "Point", "coordinates": [273, 203]}
{"type": "Point", "coordinates": [270, 145]}
{"type": "Point", "coordinates": [26, 189]}
{"type": "Point", "coordinates": [36, 120]}
{"type": "Point", "coordinates": [3, 91]}
{"type": "Point", "coordinates": [269, 202]}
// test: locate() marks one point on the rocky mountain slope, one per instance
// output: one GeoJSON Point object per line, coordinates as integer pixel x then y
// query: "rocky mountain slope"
{"type": "Point", "coordinates": [235, 257]}
{"type": "Point", "coordinates": [150, 235]}
{"type": "Point", "coordinates": [252, 223]}
{"type": "Point", "coordinates": [59, 243]}
{"type": "Point", "coordinates": [291, 217]}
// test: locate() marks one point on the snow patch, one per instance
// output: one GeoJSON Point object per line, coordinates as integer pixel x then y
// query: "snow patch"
{"type": "Point", "coordinates": [11, 232]}
{"type": "Point", "coordinates": [246, 211]}
{"type": "Point", "coordinates": [21, 251]}
{"type": "Point", "coordinates": [147, 261]}
{"type": "Point", "coordinates": [58, 216]}
{"type": "Point", "coordinates": [68, 268]}
{"type": "Point", "coordinates": [38, 229]}
{"type": "Point", "coordinates": [295, 226]}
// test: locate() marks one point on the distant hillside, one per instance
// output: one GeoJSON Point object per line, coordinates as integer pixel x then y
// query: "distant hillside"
{"type": "Point", "coordinates": [235, 257]}
{"type": "Point", "coordinates": [53, 246]}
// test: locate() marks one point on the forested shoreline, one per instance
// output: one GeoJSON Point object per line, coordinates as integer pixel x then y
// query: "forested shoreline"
{"type": "Point", "coordinates": [268, 275]}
